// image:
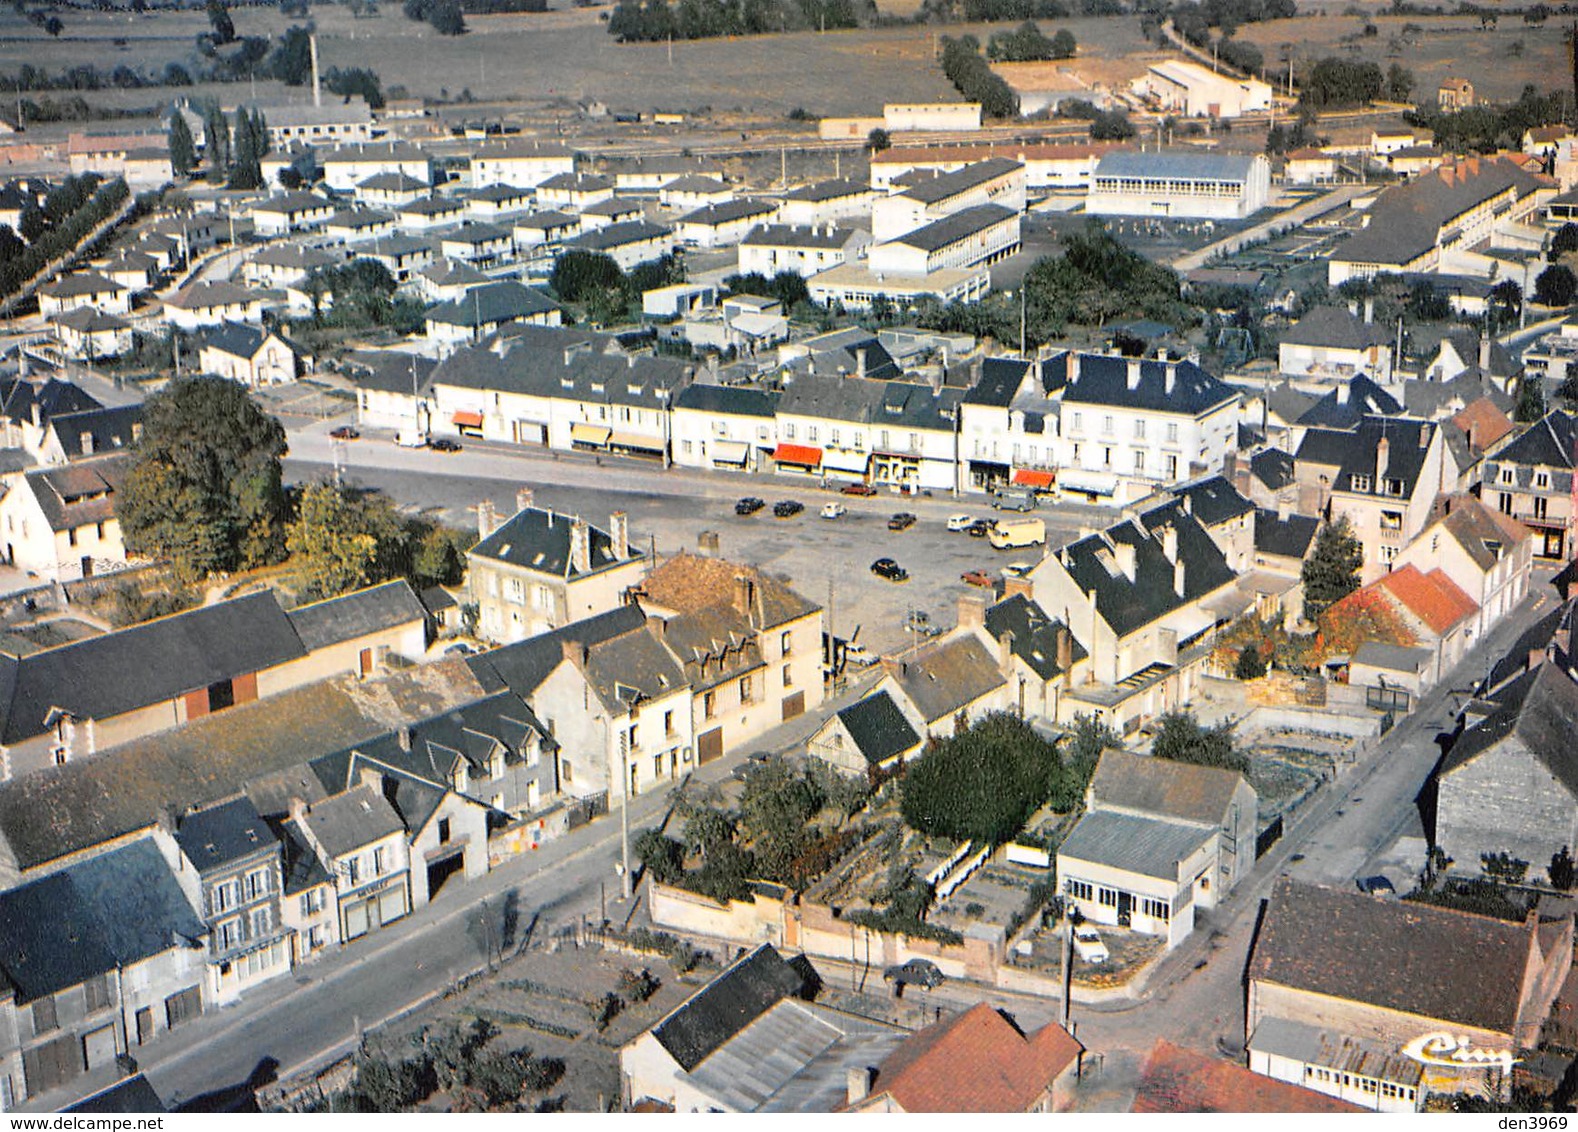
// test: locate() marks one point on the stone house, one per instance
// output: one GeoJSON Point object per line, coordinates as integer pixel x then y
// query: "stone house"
{"type": "Point", "coordinates": [1529, 477]}
{"type": "Point", "coordinates": [362, 843]}
{"type": "Point", "coordinates": [59, 523]}
{"type": "Point", "coordinates": [1487, 555]}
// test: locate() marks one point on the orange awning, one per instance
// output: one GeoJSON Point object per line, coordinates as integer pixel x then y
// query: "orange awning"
{"type": "Point", "coordinates": [798, 454]}
{"type": "Point", "coordinates": [467, 419]}
{"type": "Point", "coordinates": [1031, 477]}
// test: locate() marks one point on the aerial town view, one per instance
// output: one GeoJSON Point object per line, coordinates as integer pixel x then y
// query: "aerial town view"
{"type": "Point", "coordinates": [804, 556]}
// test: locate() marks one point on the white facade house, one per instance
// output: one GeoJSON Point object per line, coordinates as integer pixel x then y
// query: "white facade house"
{"type": "Point", "coordinates": [627, 244]}
{"type": "Point", "coordinates": [855, 286]}
{"type": "Point", "coordinates": [722, 225]}
{"type": "Point", "coordinates": [209, 304]}
{"type": "Point", "coordinates": [1216, 186]}
{"type": "Point", "coordinates": [825, 202]}
{"type": "Point", "coordinates": [770, 249]}
{"type": "Point", "coordinates": [524, 163]}
{"type": "Point", "coordinates": [59, 524]}
{"type": "Point", "coordinates": [723, 427]}
{"type": "Point", "coordinates": [996, 180]}
{"type": "Point", "coordinates": [84, 289]}
{"type": "Point", "coordinates": [347, 166]}
{"type": "Point", "coordinates": [289, 212]}
{"type": "Point", "coordinates": [980, 235]}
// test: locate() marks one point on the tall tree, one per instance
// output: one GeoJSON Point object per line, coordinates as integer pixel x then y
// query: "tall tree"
{"type": "Point", "coordinates": [1180, 737]}
{"type": "Point", "coordinates": [291, 62]}
{"type": "Point", "coordinates": [183, 151]}
{"type": "Point", "coordinates": [216, 141]}
{"type": "Point", "coordinates": [1530, 405]}
{"type": "Point", "coordinates": [340, 541]}
{"type": "Point", "coordinates": [246, 171]}
{"type": "Point", "coordinates": [219, 19]}
{"type": "Point", "coordinates": [1556, 286]}
{"type": "Point", "coordinates": [1331, 572]}
{"type": "Point", "coordinates": [204, 490]}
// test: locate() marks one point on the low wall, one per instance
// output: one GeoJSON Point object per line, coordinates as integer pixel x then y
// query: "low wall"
{"type": "Point", "coordinates": [1318, 722]}
{"type": "Point", "coordinates": [738, 921]}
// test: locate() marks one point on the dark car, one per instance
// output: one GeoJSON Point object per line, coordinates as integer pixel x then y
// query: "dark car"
{"type": "Point", "coordinates": [903, 521]}
{"type": "Point", "coordinates": [979, 529]}
{"type": "Point", "coordinates": [749, 505]}
{"type": "Point", "coordinates": [921, 972]}
{"type": "Point", "coordinates": [788, 508]}
{"type": "Point", "coordinates": [858, 489]}
{"type": "Point", "coordinates": [889, 569]}
{"type": "Point", "coordinates": [444, 444]}
{"type": "Point", "coordinates": [344, 432]}
{"type": "Point", "coordinates": [1377, 886]}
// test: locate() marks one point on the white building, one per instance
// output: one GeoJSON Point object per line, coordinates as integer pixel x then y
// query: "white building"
{"type": "Point", "coordinates": [347, 166]}
{"type": "Point", "coordinates": [1176, 183]}
{"type": "Point", "coordinates": [519, 162]}
{"type": "Point", "coordinates": [974, 236]}
{"type": "Point", "coordinates": [1182, 87]}
{"type": "Point", "coordinates": [290, 212]}
{"type": "Point", "coordinates": [825, 202]}
{"type": "Point", "coordinates": [724, 427]}
{"type": "Point", "coordinates": [627, 244]}
{"type": "Point", "coordinates": [722, 225]}
{"type": "Point", "coordinates": [773, 248]}
{"type": "Point", "coordinates": [994, 181]}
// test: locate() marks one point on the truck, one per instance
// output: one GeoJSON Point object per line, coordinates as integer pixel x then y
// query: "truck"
{"type": "Point", "coordinates": [1006, 534]}
{"type": "Point", "coordinates": [411, 438]}
{"type": "Point", "coordinates": [1014, 499]}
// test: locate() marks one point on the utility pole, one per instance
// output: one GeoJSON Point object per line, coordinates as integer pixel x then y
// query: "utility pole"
{"type": "Point", "coordinates": [624, 832]}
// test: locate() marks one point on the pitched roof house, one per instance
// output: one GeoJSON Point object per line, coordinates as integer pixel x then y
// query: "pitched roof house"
{"type": "Point", "coordinates": [59, 523]}
{"type": "Point", "coordinates": [1175, 1079]}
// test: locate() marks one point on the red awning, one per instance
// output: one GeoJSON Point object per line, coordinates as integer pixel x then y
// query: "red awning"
{"type": "Point", "coordinates": [467, 419]}
{"type": "Point", "coordinates": [1030, 477]}
{"type": "Point", "coordinates": [798, 454]}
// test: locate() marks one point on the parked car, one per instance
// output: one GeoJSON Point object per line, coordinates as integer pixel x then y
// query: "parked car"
{"type": "Point", "coordinates": [918, 621]}
{"type": "Point", "coordinates": [834, 510]}
{"type": "Point", "coordinates": [959, 522]}
{"type": "Point", "coordinates": [405, 438]}
{"type": "Point", "coordinates": [1377, 885]}
{"type": "Point", "coordinates": [921, 972]}
{"type": "Point", "coordinates": [858, 654]}
{"type": "Point", "coordinates": [749, 505]}
{"type": "Point", "coordinates": [1088, 945]}
{"type": "Point", "coordinates": [858, 489]}
{"type": "Point", "coordinates": [979, 529]}
{"type": "Point", "coordinates": [787, 508]}
{"type": "Point", "coordinates": [344, 432]}
{"type": "Point", "coordinates": [903, 521]}
{"type": "Point", "coordinates": [977, 578]}
{"type": "Point", "coordinates": [889, 569]}
{"type": "Point", "coordinates": [444, 444]}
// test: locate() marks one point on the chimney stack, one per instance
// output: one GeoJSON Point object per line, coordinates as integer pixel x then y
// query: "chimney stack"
{"type": "Point", "coordinates": [370, 776]}
{"type": "Point", "coordinates": [860, 362]}
{"type": "Point", "coordinates": [1284, 508]}
{"type": "Point", "coordinates": [1170, 542]}
{"type": "Point", "coordinates": [859, 1083]}
{"type": "Point", "coordinates": [1172, 377]}
{"type": "Point", "coordinates": [487, 518]}
{"type": "Point", "coordinates": [1178, 578]}
{"type": "Point", "coordinates": [1343, 391]}
{"type": "Point", "coordinates": [743, 593]}
{"type": "Point", "coordinates": [1134, 373]}
{"type": "Point", "coordinates": [1124, 553]}
{"type": "Point", "coordinates": [1005, 653]}
{"type": "Point", "coordinates": [619, 531]}
{"type": "Point", "coordinates": [971, 611]}
{"type": "Point", "coordinates": [1484, 352]}
{"type": "Point", "coordinates": [1065, 648]}
{"type": "Point", "coordinates": [1383, 451]}
{"type": "Point", "coordinates": [580, 546]}
{"type": "Point", "coordinates": [317, 89]}
{"type": "Point", "coordinates": [404, 735]}
{"type": "Point", "coordinates": [523, 498]}
{"type": "Point", "coordinates": [1369, 311]}
{"type": "Point", "coordinates": [1019, 585]}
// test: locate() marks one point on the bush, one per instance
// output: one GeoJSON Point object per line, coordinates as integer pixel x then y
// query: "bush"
{"type": "Point", "coordinates": [970, 74]}
{"type": "Point", "coordinates": [638, 986]}
{"type": "Point", "coordinates": [1251, 665]}
{"type": "Point", "coordinates": [1180, 737]}
{"type": "Point", "coordinates": [983, 783]}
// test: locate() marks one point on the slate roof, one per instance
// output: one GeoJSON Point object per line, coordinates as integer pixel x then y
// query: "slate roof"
{"type": "Point", "coordinates": [1151, 847]}
{"type": "Point", "coordinates": [1176, 165]}
{"type": "Point", "coordinates": [945, 185]}
{"type": "Point", "coordinates": [133, 1094]}
{"type": "Point", "coordinates": [977, 1061]}
{"type": "Point", "coordinates": [1163, 788]}
{"type": "Point", "coordinates": [490, 304]}
{"type": "Point", "coordinates": [1434, 399]}
{"type": "Point", "coordinates": [954, 227]}
{"type": "Point", "coordinates": [626, 670]}
{"type": "Point", "coordinates": [870, 401]}
{"type": "Point", "coordinates": [827, 190]}
{"type": "Point", "coordinates": [1548, 443]}
{"type": "Point", "coordinates": [1035, 634]}
{"type": "Point", "coordinates": [575, 182]}
{"type": "Point", "coordinates": [1541, 712]}
{"type": "Point", "coordinates": [432, 206]}
{"type": "Point", "coordinates": [732, 400]}
{"type": "Point", "coordinates": [199, 295]}
{"type": "Point", "coordinates": [1335, 328]}
{"type": "Point", "coordinates": [220, 835]}
{"type": "Point", "coordinates": [80, 283]}
{"type": "Point", "coordinates": [546, 220]}
{"type": "Point", "coordinates": [287, 203]}
{"type": "Point", "coordinates": [1127, 606]}
{"type": "Point", "coordinates": [90, 320]}
{"type": "Point", "coordinates": [728, 212]}
{"type": "Point", "coordinates": [499, 194]}
{"type": "Point", "coordinates": [357, 614]}
{"type": "Point", "coordinates": [696, 183]}
{"type": "Point", "coordinates": [239, 339]}
{"type": "Point", "coordinates": [948, 676]}
{"type": "Point", "coordinates": [1364, 398]}
{"type": "Point", "coordinates": [1000, 379]}
{"type": "Point", "coordinates": [475, 235]}
{"type": "Point", "coordinates": [878, 728]}
{"type": "Point", "coordinates": [392, 183]}
{"type": "Point", "coordinates": [293, 256]}
{"type": "Point", "coordinates": [618, 235]}
{"type": "Point", "coordinates": [1213, 500]}
{"type": "Point", "coordinates": [1435, 963]}
{"type": "Point", "coordinates": [303, 867]}
{"type": "Point", "coordinates": [720, 1010]}
{"type": "Point", "coordinates": [1466, 344]}
{"type": "Point", "coordinates": [109, 911]}
{"type": "Point", "coordinates": [1103, 380]}
{"type": "Point", "coordinates": [1181, 1080]}
{"type": "Point", "coordinates": [389, 371]}
{"type": "Point", "coordinates": [453, 273]}
{"type": "Point", "coordinates": [1537, 637]}
{"type": "Point", "coordinates": [1290, 536]}
{"type": "Point", "coordinates": [1287, 403]}
{"type": "Point", "coordinates": [821, 236]}
{"type": "Point", "coordinates": [539, 540]}
{"type": "Point", "coordinates": [524, 665]}
{"type": "Point", "coordinates": [614, 207]}
{"type": "Point", "coordinates": [350, 821]}
{"type": "Point", "coordinates": [1353, 453]}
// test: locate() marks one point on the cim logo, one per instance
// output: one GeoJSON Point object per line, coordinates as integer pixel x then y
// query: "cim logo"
{"type": "Point", "coordinates": [1456, 1053]}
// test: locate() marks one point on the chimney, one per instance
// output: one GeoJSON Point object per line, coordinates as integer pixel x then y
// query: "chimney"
{"type": "Point", "coordinates": [1072, 371]}
{"type": "Point", "coordinates": [523, 498]}
{"type": "Point", "coordinates": [1178, 578]}
{"type": "Point", "coordinates": [1284, 508]}
{"type": "Point", "coordinates": [708, 544]}
{"type": "Point", "coordinates": [404, 735]}
{"type": "Point", "coordinates": [580, 546]}
{"type": "Point", "coordinates": [1124, 553]}
{"type": "Point", "coordinates": [487, 518]}
{"type": "Point", "coordinates": [971, 611]}
{"type": "Point", "coordinates": [1343, 390]}
{"type": "Point", "coordinates": [657, 625]}
{"type": "Point", "coordinates": [1134, 373]}
{"type": "Point", "coordinates": [317, 90]}
{"type": "Point", "coordinates": [1369, 311]}
{"type": "Point", "coordinates": [370, 776]}
{"type": "Point", "coordinates": [1484, 352]}
{"type": "Point", "coordinates": [1424, 435]}
{"type": "Point", "coordinates": [1005, 653]}
{"type": "Point", "coordinates": [1019, 585]}
{"type": "Point", "coordinates": [1170, 542]}
{"type": "Point", "coordinates": [859, 1083]}
{"type": "Point", "coordinates": [1383, 451]}
{"type": "Point", "coordinates": [38, 416]}
{"type": "Point", "coordinates": [742, 594]}
{"type": "Point", "coordinates": [297, 808]}
{"type": "Point", "coordinates": [1065, 648]}
{"type": "Point", "coordinates": [860, 362]}
{"type": "Point", "coordinates": [619, 532]}
{"type": "Point", "coordinates": [1172, 377]}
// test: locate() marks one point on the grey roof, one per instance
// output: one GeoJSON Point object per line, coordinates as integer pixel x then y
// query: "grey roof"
{"type": "Point", "coordinates": [1035, 634]}
{"type": "Point", "coordinates": [350, 821]}
{"type": "Point", "coordinates": [1289, 537]}
{"type": "Point", "coordinates": [303, 868]}
{"type": "Point", "coordinates": [1354, 452]}
{"type": "Point", "coordinates": [239, 339]}
{"type": "Point", "coordinates": [520, 148]}
{"type": "Point", "coordinates": [878, 728]}
{"type": "Point", "coordinates": [395, 247]}
{"type": "Point", "coordinates": [78, 494]}
{"type": "Point", "coordinates": [954, 227]}
{"type": "Point", "coordinates": [499, 194]}
{"type": "Point", "coordinates": [109, 911]}
{"type": "Point", "coordinates": [1466, 344]}
{"type": "Point", "coordinates": [524, 665]}
{"type": "Point", "coordinates": [732, 400]}
{"type": "Point", "coordinates": [1163, 788]}
{"type": "Point", "coordinates": [566, 363]}
{"type": "Point", "coordinates": [728, 212]}
{"type": "Point", "coordinates": [1363, 399]}
{"type": "Point", "coordinates": [945, 185]}
{"type": "Point", "coordinates": [877, 403]}
{"type": "Point", "coordinates": [822, 236]}
{"type": "Point", "coordinates": [357, 614]}
{"type": "Point", "coordinates": [475, 234]}
{"type": "Point", "coordinates": [1541, 712]}
{"type": "Point", "coordinates": [359, 152]}
{"type": "Point", "coordinates": [618, 235]}
{"type": "Point", "coordinates": [1177, 165]}
{"type": "Point", "coordinates": [133, 1094]}
{"type": "Point", "coordinates": [81, 283]}
{"type": "Point", "coordinates": [613, 206]}
{"type": "Point", "coordinates": [1548, 443]}
{"type": "Point", "coordinates": [1434, 399]}
{"type": "Point", "coordinates": [292, 202]}
{"type": "Point", "coordinates": [1272, 467]}
{"type": "Point", "coordinates": [546, 220]}
{"type": "Point", "coordinates": [1393, 658]}
{"type": "Point", "coordinates": [696, 183]}
{"type": "Point", "coordinates": [389, 371]}
{"type": "Point", "coordinates": [948, 676]}
{"type": "Point", "coordinates": [576, 182]}
{"type": "Point", "coordinates": [392, 183]}
{"type": "Point", "coordinates": [1151, 847]}
{"type": "Point", "coordinates": [1336, 328]}
{"type": "Point", "coordinates": [539, 539]}
{"type": "Point", "coordinates": [1406, 220]}
{"type": "Point", "coordinates": [90, 320]}
{"type": "Point", "coordinates": [451, 273]}
{"type": "Point", "coordinates": [827, 190]}
{"type": "Point", "coordinates": [1104, 380]}
{"type": "Point", "coordinates": [224, 834]}
{"type": "Point", "coordinates": [1213, 500]}
{"type": "Point", "coordinates": [293, 256]}
{"type": "Point", "coordinates": [727, 1005]}
{"type": "Point", "coordinates": [1000, 379]}
{"type": "Point", "coordinates": [490, 304]}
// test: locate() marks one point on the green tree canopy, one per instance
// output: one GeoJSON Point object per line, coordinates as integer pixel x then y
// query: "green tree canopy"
{"type": "Point", "coordinates": [1180, 737]}
{"type": "Point", "coordinates": [204, 489]}
{"type": "Point", "coordinates": [183, 151]}
{"type": "Point", "coordinates": [578, 275]}
{"type": "Point", "coordinates": [291, 62]}
{"type": "Point", "coordinates": [342, 540]}
{"type": "Point", "coordinates": [1565, 240]}
{"type": "Point", "coordinates": [983, 783]}
{"type": "Point", "coordinates": [1331, 572]}
{"type": "Point", "coordinates": [1556, 286]}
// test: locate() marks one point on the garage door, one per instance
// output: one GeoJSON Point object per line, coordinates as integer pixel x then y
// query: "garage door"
{"type": "Point", "coordinates": [356, 920]}
{"type": "Point", "coordinates": [709, 745]}
{"type": "Point", "coordinates": [182, 1007]}
{"type": "Point", "coordinates": [51, 1064]}
{"type": "Point", "coordinates": [794, 705]}
{"type": "Point", "coordinates": [391, 906]}
{"type": "Point", "coordinates": [98, 1046]}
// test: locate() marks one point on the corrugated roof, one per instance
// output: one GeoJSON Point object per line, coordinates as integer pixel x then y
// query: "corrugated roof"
{"type": "Point", "coordinates": [727, 1005]}
{"type": "Point", "coordinates": [1150, 847]}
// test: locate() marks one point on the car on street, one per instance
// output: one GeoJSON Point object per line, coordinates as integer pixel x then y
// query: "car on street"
{"type": "Point", "coordinates": [918, 621]}
{"type": "Point", "coordinates": [1377, 885]}
{"type": "Point", "coordinates": [858, 654]}
{"type": "Point", "coordinates": [1088, 945]}
{"type": "Point", "coordinates": [787, 508]}
{"type": "Point", "coordinates": [344, 432]}
{"type": "Point", "coordinates": [834, 510]}
{"type": "Point", "coordinates": [920, 972]}
{"type": "Point", "coordinates": [977, 578]}
{"type": "Point", "coordinates": [444, 444]}
{"type": "Point", "coordinates": [979, 529]}
{"type": "Point", "coordinates": [858, 489]}
{"type": "Point", "coordinates": [889, 569]}
{"type": "Point", "coordinates": [959, 522]}
{"type": "Point", "coordinates": [1016, 569]}
{"type": "Point", "coordinates": [749, 505]}
{"type": "Point", "coordinates": [903, 521]}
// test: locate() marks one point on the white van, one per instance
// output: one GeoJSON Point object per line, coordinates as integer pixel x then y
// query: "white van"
{"type": "Point", "coordinates": [410, 438]}
{"type": "Point", "coordinates": [1005, 534]}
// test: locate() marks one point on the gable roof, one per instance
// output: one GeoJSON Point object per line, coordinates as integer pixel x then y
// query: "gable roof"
{"type": "Point", "coordinates": [1433, 598]}
{"type": "Point", "coordinates": [1272, 467]}
{"type": "Point", "coordinates": [357, 614]}
{"type": "Point", "coordinates": [1100, 379]}
{"type": "Point", "coordinates": [736, 400]}
{"type": "Point", "coordinates": [1035, 634]}
{"type": "Point", "coordinates": [239, 339]}
{"type": "Point", "coordinates": [19, 396]}
{"type": "Point", "coordinates": [524, 665]}
{"type": "Point", "coordinates": [1335, 328]}
{"type": "Point", "coordinates": [1548, 442]}
{"type": "Point", "coordinates": [1181, 1080]}
{"type": "Point", "coordinates": [725, 1006]}
{"type": "Point", "coordinates": [933, 190]}
{"type": "Point", "coordinates": [1213, 500]}
{"type": "Point", "coordinates": [977, 1061]}
{"type": "Point", "coordinates": [1483, 422]}
{"type": "Point", "coordinates": [215, 837]}
{"type": "Point", "coordinates": [947, 676]}
{"type": "Point", "coordinates": [954, 227]}
{"type": "Point", "coordinates": [1353, 453]}
{"type": "Point", "coordinates": [1288, 536]}
{"type": "Point", "coordinates": [1162, 787]}
{"type": "Point", "coordinates": [1435, 963]}
{"type": "Point", "coordinates": [1147, 846]}
{"type": "Point", "coordinates": [539, 539]}
{"type": "Point", "coordinates": [1484, 534]}
{"type": "Point", "coordinates": [80, 283]}
{"type": "Point", "coordinates": [78, 494]}
{"type": "Point", "coordinates": [106, 429]}
{"type": "Point", "coordinates": [491, 303]}
{"type": "Point", "coordinates": [1540, 711]}
{"type": "Point", "coordinates": [1345, 407]}
{"type": "Point", "coordinates": [878, 728]}
{"type": "Point", "coordinates": [692, 584]}
{"type": "Point", "coordinates": [344, 823]}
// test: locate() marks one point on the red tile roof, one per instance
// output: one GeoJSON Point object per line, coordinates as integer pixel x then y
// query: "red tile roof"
{"type": "Point", "coordinates": [1432, 597]}
{"type": "Point", "coordinates": [975, 1062]}
{"type": "Point", "coordinates": [1181, 1080]}
{"type": "Point", "coordinates": [1483, 422]}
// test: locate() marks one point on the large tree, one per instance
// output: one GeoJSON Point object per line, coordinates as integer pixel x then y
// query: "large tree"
{"type": "Point", "coordinates": [1180, 737]}
{"type": "Point", "coordinates": [1331, 572]}
{"type": "Point", "coordinates": [1556, 286]}
{"type": "Point", "coordinates": [983, 783]}
{"type": "Point", "coordinates": [183, 151]}
{"type": "Point", "coordinates": [342, 540]}
{"type": "Point", "coordinates": [204, 489]}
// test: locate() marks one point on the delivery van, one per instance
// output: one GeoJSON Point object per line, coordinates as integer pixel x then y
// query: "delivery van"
{"type": "Point", "coordinates": [1015, 499]}
{"type": "Point", "coordinates": [1005, 534]}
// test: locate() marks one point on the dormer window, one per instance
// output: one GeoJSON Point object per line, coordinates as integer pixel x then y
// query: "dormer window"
{"type": "Point", "coordinates": [1506, 475]}
{"type": "Point", "coordinates": [1359, 483]}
